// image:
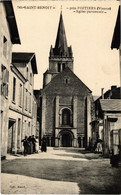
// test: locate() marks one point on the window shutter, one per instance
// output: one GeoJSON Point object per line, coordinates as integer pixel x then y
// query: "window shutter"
{"type": "Point", "coordinates": [2, 89]}
{"type": "Point", "coordinates": [7, 76]}
{"type": "Point", "coordinates": [6, 90]}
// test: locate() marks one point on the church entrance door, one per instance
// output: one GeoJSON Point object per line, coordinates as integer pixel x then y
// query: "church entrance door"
{"type": "Point", "coordinates": [66, 140]}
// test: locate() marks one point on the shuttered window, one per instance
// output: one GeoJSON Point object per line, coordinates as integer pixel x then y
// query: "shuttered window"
{"type": "Point", "coordinates": [5, 80]}
{"type": "Point", "coordinates": [14, 89]}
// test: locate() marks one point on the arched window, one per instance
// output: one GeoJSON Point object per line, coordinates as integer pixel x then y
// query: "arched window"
{"type": "Point", "coordinates": [66, 117]}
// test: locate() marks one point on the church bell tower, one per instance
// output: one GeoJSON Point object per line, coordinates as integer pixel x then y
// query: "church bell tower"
{"type": "Point", "coordinates": [61, 55]}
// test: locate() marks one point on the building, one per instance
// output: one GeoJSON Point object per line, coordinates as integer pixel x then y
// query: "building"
{"type": "Point", "coordinates": [107, 118]}
{"type": "Point", "coordinates": [111, 115]}
{"type": "Point", "coordinates": [23, 105]}
{"type": "Point", "coordinates": [102, 125]}
{"type": "Point", "coordinates": [18, 103]}
{"type": "Point", "coordinates": [8, 36]}
{"type": "Point", "coordinates": [65, 101]}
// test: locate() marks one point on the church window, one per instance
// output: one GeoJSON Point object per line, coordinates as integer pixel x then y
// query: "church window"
{"type": "Point", "coordinates": [59, 67]}
{"type": "Point", "coordinates": [66, 81]}
{"type": "Point", "coordinates": [66, 117]}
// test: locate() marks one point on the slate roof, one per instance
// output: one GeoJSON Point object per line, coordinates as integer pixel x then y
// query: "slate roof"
{"type": "Point", "coordinates": [57, 85]}
{"type": "Point", "coordinates": [10, 16]}
{"type": "Point", "coordinates": [111, 105]}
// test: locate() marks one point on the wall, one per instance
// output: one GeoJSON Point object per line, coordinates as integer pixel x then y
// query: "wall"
{"type": "Point", "coordinates": [6, 61]}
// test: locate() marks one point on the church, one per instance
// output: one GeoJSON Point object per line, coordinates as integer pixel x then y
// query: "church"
{"type": "Point", "coordinates": [66, 103]}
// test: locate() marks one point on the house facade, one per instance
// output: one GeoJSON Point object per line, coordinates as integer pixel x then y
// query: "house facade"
{"type": "Point", "coordinates": [23, 105]}
{"type": "Point", "coordinates": [65, 101]}
{"type": "Point", "coordinates": [8, 36]}
{"type": "Point", "coordinates": [107, 123]}
{"type": "Point", "coordinates": [18, 103]}
{"type": "Point", "coordinates": [111, 117]}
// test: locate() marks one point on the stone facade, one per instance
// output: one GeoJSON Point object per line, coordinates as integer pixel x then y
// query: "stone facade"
{"type": "Point", "coordinates": [65, 101]}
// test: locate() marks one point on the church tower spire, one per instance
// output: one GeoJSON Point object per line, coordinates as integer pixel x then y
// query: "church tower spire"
{"type": "Point", "coordinates": [61, 47]}
{"type": "Point", "coordinates": [61, 56]}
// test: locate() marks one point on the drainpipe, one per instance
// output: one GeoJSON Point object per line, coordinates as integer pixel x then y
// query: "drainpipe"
{"type": "Point", "coordinates": [22, 117]}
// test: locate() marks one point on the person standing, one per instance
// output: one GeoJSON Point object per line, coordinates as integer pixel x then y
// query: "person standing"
{"type": "Point", "coordinates": [33, 142]}
{"type": "Point", "coordinates": [25, 144]}
{"type": "Point", "coordinates": [30, 147]}
{"type": "Point", "coordinates": [44, 146]}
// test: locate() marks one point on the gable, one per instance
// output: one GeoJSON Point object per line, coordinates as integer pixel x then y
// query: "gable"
{"type": "Point", "coordinates": [66, 83]}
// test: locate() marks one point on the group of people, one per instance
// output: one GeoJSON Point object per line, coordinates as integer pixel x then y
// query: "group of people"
{"type": "Point", "coordinates": [31, 145]}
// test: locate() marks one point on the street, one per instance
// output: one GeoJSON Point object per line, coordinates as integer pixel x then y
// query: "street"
{"type": "Point", "coordinates": [59, 171]}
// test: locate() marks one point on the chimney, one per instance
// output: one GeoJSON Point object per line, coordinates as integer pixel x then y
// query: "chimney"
{"type": "Point", "coordinates": [102, 94]}
{"type": "Point", "coordinates": [113, 87]}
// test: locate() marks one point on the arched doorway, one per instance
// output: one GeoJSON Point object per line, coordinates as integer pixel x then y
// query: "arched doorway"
{"type": "Point", "coordinates": [66, 140]}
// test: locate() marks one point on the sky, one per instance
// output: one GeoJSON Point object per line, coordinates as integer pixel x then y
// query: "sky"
{"type": "Point", "coordinates": [89, 27]}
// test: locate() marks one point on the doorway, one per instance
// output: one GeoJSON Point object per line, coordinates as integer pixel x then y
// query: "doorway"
{"type": "Point", "coordinates": [11, 127]}
{"type": "Point", "coordinates": [66, 140]}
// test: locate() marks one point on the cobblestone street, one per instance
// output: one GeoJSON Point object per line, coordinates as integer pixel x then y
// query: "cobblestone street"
{"type": "Point", "coordinates": [59, 171]}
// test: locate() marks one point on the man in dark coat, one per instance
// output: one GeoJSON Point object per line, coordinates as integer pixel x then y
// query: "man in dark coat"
{"type": "Point", "coordinates": [30, 147]}
{"type": "Point", "coordinates": [33, 142]}
{"type": "Point", "coordinates": [44, 147]}
{"type": "Point", "coordinates": [25, 144]}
